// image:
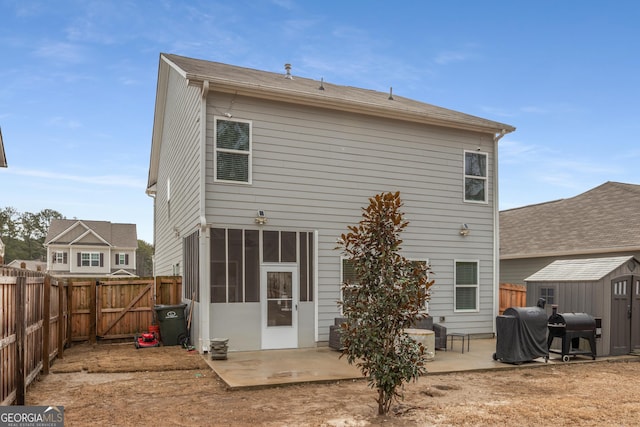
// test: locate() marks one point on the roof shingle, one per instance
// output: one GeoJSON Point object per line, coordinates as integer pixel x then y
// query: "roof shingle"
{"type": "Point", "coordinates": [603, 219]}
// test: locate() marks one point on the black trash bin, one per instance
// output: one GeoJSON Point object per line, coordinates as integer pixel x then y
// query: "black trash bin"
{"type": "Point", "coordinates": [173, 327]}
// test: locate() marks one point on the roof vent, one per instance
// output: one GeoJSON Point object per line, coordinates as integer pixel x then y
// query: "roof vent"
{"type": "Point", "coordinates": [287, 68]}
{"type": "Point", "coordinates": [321, 84]}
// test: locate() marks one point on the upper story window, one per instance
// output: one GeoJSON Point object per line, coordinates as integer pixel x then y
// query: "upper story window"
{"type": "Point", "coordinates": [232, 149]}
{"type": "Point", "coordinates": [59, 257]}
{"type": "Point", "coordinates": [475, 177]}
{"type": "Point", "coordinates": [122, 259]}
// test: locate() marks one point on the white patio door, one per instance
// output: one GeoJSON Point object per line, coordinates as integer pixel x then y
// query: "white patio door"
{"type": "Point", "coordinates": [279, 301]}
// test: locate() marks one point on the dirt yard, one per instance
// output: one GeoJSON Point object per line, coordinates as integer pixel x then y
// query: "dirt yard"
{"type": "Point", "coordinates": [117, 385]}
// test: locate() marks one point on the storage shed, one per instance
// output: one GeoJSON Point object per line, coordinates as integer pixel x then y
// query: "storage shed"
{"type": "Point", "coordinates": [606, 288]}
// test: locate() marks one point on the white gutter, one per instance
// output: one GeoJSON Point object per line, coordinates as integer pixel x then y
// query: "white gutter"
{"type": "Point", "coordinates": [496, 230]}
{"type": "Point", "coordinates": [203, 251]}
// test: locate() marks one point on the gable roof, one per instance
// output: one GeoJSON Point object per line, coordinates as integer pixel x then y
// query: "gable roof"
{"type": "Point", "coordinates": [67, 232]}
{"type": "Point", "coordinates": [578, 270]}
{"type": "Point", "coordinates": [3, 157]}
{"type": "Point", "coordinates": [297, 90]}
{"type": "Point", "coordinates": [603, 219]}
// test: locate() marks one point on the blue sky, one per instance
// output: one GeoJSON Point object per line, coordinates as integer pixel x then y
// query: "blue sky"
{"type": "Point", "coordinates": [78, 81]}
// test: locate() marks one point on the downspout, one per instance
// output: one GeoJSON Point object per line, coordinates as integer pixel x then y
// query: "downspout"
{"type": "Point", "coordinates": [203, 241]}
{"type": "Point", "coordinates": [496, 230]}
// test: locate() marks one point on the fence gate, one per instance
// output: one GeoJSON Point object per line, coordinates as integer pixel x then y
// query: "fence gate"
{"type": "Point", "coordinates": [124, 308]}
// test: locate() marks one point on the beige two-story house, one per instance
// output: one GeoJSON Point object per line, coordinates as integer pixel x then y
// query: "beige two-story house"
{"type": "Point", "coordinates": [79, 248]}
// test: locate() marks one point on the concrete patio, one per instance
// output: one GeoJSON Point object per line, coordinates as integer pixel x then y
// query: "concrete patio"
{"type": "Point", "coordinates": [265, 368]}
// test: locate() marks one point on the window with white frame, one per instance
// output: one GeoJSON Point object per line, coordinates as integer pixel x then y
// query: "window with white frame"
{"type": "Point", "coordinates": [60, 257]}
{"type": "Point", "coordinates": [90, 259]}
{"type": "Point", "coordinates": [348, 275]}
{"type": "Point", "coordinates": [475, 177]}
{"type": "Point", "coordinates": [122, 259]}
{"type": "Point", "coordinates": [232, 148]}
{"type": "Point", "coordinates": [466, 279]}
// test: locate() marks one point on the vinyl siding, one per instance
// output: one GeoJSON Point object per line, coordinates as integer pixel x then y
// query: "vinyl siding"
{"type": "Point", "coordinates": [179, 163]}
{"type": "Point", "coordinates": [314, 169]}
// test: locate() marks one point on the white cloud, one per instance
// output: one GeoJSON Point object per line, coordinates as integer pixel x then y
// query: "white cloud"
{"type": "Point", "coordinates": [445, 58]}
{"type": "Point", "coordinates": [61, 51]}
{"type": "Point", "coordinates": [61, 122]}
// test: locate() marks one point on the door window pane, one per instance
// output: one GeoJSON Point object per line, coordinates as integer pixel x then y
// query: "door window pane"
{"type": "Point", "coordinates": [279, 298]}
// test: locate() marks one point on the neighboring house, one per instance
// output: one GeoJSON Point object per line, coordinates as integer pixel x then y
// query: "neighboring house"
{"type": "Point", "coordinates": [1, 252]}
{"type": "Point", "coordinates": [3, 157]}
{"type": "Point", "coordinates": [255, 175]}
{"type": "Point", "coordinates": [78, 248]}
{"type": "Point", "coordinates": [28, 265]}
{"type": "Point", "coordinates": [602, 222]}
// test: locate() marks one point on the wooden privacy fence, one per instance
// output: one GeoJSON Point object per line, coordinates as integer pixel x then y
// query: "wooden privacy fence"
{"type": "Point", "coordinates": [41, 315]}
{"type": "Point", "coordinates": [512, 296]}
{"type": "Point", "coordinates": [118, 308]}
{"type": "Point", "coordinates": [32, 329]}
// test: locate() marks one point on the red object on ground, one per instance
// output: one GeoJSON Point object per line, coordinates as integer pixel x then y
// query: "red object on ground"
{"type": "Point", "coordinates": [155, 329]}
{"type": "Point", "coordinates": [146, 339]}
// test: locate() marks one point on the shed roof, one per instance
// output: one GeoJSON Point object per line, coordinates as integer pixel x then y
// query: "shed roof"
{"type": "Point", "coordinates": [578, 270]}
{"type": "Point", "coordinates": [604, 219]}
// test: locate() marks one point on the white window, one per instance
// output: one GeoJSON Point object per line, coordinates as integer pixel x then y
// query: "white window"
{"type": "Point", "coordinates": [232, 148]}
{"type": "Point", "coordinates": [122, 259]}
{"type": "Point", "coordinates": [90, 259]}
{"type": "Point", "coordinates": [466, 279]}
{"type": "Point", "coordinates": [60, 258]}
{"type": "Point", "coordinates": [475, 177]}
{"type": "Point", "coordinates": [348, 274]}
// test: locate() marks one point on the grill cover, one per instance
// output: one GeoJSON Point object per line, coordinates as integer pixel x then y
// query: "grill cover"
{"type": "Point", "coordinates": [521, 334]}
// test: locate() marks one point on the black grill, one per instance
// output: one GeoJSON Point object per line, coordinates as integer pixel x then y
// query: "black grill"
{"type": "Point", "coordinates": [521, 334]}
{"type": "Point", "coordinates": [570, 328]}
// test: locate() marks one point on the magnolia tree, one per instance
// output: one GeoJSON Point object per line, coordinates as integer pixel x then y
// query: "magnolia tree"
{"type": "Point", "coordinates": [387, 295]}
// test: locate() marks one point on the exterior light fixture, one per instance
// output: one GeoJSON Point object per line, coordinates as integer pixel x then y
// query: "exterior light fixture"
{"type": "Point", "coordinates": [464, 230]}
{"type": "Point", "coordinates": [261, 219]}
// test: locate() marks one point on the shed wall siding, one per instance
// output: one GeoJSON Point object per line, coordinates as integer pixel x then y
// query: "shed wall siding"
{"type": "Point", "coordinates": [179, 163]}
{"type": "Point", "coordinates": [315, 169]}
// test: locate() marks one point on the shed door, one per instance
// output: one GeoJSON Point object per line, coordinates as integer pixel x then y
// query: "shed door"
{"type": "Point", "coordinates": [635, 313]}
{"type": "Point", "coordinates": [622, 289]}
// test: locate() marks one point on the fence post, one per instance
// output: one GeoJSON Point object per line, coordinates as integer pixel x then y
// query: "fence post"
{"type": "Point", "coordinates": [93, 320]}
{"type": "Point", "coordinates": [46, 324]}
{"type": "Point", "coordinates": [20, 339]}
{"type": "Point", "coordinates": [69, 309]}
{"type": "Point", "coordinates": [61, 318]}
